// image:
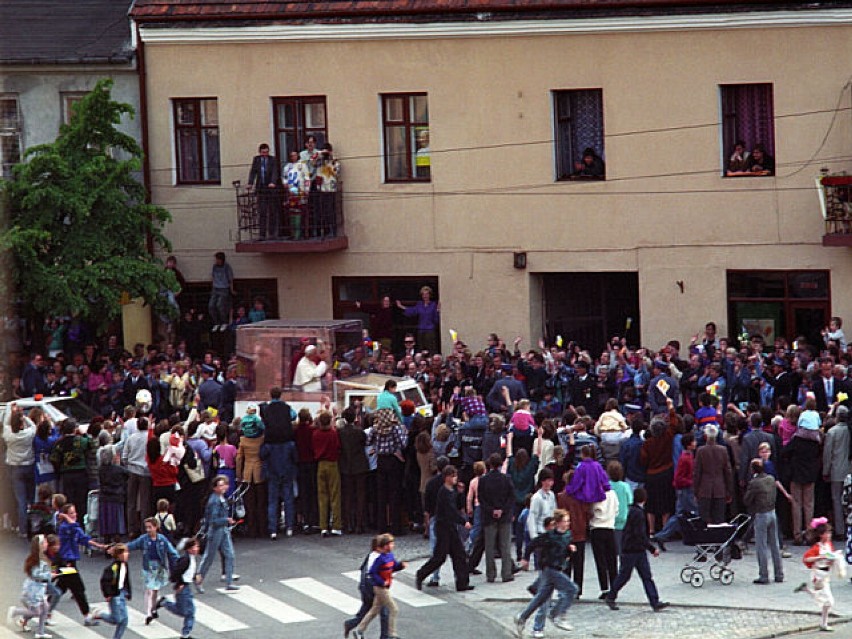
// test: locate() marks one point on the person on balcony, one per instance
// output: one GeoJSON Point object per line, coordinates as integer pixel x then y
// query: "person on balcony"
{"type": "Point", "coordinates": [265, 179]}
{"type": "Point", "coordinates": [297, 182]}
{"type": "Point", "coordinates": [325, 183]}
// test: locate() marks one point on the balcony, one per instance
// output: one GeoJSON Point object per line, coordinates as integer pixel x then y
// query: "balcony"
{"type": "Point", "coordinates": [835, 192]}
{"type": "Point", "coordinates": [284, 223]}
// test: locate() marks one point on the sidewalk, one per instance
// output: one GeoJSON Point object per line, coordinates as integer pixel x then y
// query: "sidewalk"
{"type": "Point", "coordinates": [741, 610]}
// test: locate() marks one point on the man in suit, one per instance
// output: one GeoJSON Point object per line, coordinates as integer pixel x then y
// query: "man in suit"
{"type": "Point", "coordinates": [712, 478]}
{"type": "Point", "coordinates": [825, 385]}
{"type": "Point", "coordinates": [265, 178]}
{"type": "Point", "coordinates": [780, 380]}
{"type": "Point", "coordinates": [133, 383]}
{"type": "Point", "coordinates": [496, 503]}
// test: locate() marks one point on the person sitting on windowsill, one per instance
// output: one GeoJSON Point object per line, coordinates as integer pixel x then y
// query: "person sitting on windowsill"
{"type": "Point", "coordinates": [591, 166]}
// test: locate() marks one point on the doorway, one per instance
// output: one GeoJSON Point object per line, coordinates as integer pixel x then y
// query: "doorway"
{"type": "Point", "coordinates": [591, 308]}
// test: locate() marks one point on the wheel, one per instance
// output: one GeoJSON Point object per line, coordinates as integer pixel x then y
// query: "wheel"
{"type": "Point", "coordinates": [697, 580]}
{"type": "Point", "coordinates": [727, 577]}
{"type": "Point", "coordinates": [686, 575]}
{"type": "Point", "coordinates": [715, 571]}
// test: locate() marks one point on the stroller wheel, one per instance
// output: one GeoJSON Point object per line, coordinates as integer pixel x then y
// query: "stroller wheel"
{"type": "Point", "coordinates": [697, 580]}
{"type": "Point", "coordinates": [716, 571]}
{"type": "Point", "coordinates": [686, 575]}
{"type": "Point", "coordinates": [727, 577]}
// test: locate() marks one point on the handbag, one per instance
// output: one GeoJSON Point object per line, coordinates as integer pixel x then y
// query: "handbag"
{"type": "Point", "coordinates": [195, 474]}
{"type": "Point", "coordinates": [43, 465]}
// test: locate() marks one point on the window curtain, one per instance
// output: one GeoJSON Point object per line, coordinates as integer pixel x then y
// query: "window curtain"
{"type": "Point", "coordinates": [748, 115]}
{"type": "Point", "coordinates": [588, 129]}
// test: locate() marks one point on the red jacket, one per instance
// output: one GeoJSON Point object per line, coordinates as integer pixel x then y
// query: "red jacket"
{"type": "Point", "coordinates": [683, 474]}
{"type": "Point", "coordinates": [326, 445]}
{"type": "Point", "coordinates": [162, 474]}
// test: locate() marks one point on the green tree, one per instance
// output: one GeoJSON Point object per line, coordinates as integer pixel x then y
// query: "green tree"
{"type": "Point", "coordinates": [78, 229]}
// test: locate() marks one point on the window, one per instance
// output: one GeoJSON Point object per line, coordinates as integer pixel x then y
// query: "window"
{"type": "Point", "coordinates": [296, 119]}
{"type": "Point", "coordinates": [70, 100]}
{"type": "Point", "coordinates": [747, 121]}
{"type": "Point", "coordinates": [579, 134]}
{"type": "Point", "coordinates": [787, 304]}
{"type": "Point", "coordinates": [10, 134]}
{"type": "Point", "coordinates": [405, 123]}
{"type": "Point", "coordinates": [197, 141]}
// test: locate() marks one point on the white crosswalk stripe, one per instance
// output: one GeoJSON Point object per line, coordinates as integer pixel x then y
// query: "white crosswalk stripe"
{"type": "Point", "coordinates": [324, 594]}
{"type": "Point", "coordinates": [216, 620]}
{"type": "Point", "coordinates": [236, 611]}
{"type": "Point", "coordinates": [403, 593]}
{"type": "Point", "coordinates": [267, 605]}
{"type": "Point", "coordinates": [68, 627]}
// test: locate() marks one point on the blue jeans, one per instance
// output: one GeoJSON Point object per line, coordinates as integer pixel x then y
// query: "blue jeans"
{"type": "Point", "coordinates": [23, 484]}
{"type": "Point", "coordinates": [367, 596]}
{"type": "Point", "coordinates": [219, 306]}
{"type": "Point", "coordinates": [550, 580]}
{"type": "Point", "coordinates": [117, 615]}
{"type": "Point", "coordinates": [184, 606]}
{"type": "Point", "coordinates": [433, 539]}
{"type": "Point", "coordinates": [281, 487]}
{"type": "Point", "coordinates": [219, 539]}
{"type": "Point", "coordinates": [766, 540]}
{"type": "Point", "coordinates": [639, 561]}
{"type": "Point", "coordinates": [476, 529]}
{"type": "Point", "coordinates": [685, 504]}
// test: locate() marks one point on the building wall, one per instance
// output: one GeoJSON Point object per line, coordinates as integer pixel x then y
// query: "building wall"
{"type": "Point", "coordinates": [664, 209]}
{"type": "Point", "coordinates": [40, 90]}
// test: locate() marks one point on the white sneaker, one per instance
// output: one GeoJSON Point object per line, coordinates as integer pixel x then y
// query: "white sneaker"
{"type": "Point", "coordinates": [519, 625]}
{"type": "Point", "coordinates": [273, 536]}
{"type": "Point", "coordinates": [337, 533]}
{"type": "Point", "coordinates": [562, 623]}
{"type": "Point", "coordinates": [234, 577]}
{"type": "Point", "coordinates": [537, 634]}
{"type": "Point", "coordinates": [289, 532]}
{"type": "Point", "coordinates": [43, 635]}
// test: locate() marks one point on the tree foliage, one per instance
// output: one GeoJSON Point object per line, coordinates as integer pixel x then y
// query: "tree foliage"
{"type": "Point", "coordinates": [78, 228]}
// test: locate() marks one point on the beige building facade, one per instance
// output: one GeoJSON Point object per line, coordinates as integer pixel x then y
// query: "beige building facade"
{"type": "Point", "coordinates": [663, 244]}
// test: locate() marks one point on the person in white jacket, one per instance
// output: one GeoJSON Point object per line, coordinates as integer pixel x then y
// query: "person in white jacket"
{"type": "Point", "coordinates": [542, 504]}
{"type": "Point", "coordinates": [18, 434]}
{"type": "Point", "coordinates": [602, 525]}
{"type": "Point", "coordinates": [309, 371]}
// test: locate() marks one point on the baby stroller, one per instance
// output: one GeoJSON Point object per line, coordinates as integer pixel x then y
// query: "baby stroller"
{"type": "Point", "coordinates": [715, 546]}
{"type": "Point", "coordinates": [237, 505]}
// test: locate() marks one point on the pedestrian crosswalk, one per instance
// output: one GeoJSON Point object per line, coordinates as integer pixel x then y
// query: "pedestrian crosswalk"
{"type": "Point", "coordinates": [292, 601]}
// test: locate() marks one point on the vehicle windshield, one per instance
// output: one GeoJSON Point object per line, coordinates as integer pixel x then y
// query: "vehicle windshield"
{"type": "Point", "coordinates": [74, 408]}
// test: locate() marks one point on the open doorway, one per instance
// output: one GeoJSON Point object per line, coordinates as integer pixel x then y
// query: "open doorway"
{"type": "Point", "coordinates": [590, 308]}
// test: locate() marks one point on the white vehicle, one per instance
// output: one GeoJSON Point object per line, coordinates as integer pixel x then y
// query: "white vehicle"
{"type": "Point", "coordinates": [268, 352]}
{"type": "Point", "coordinates": [57, 408]}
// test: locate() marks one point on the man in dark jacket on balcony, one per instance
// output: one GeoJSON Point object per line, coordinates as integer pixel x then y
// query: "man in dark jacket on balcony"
{"type": "Point", "coordinates": [265, 179]}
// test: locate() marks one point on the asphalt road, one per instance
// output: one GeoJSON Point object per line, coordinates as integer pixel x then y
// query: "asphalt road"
{"type": "Point", "coordinates": [298, 587]}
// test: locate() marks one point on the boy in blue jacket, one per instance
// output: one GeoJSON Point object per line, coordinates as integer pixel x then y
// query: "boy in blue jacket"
{"type": "Point", "coordinates": [381, 573]}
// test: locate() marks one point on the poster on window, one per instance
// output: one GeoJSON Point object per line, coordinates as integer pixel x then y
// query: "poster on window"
{"type": "Point", "coordinates": [765, 327]}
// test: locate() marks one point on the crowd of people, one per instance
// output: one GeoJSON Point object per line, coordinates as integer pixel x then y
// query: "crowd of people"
{"type": "Point", "coordinates": [611, 446]}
